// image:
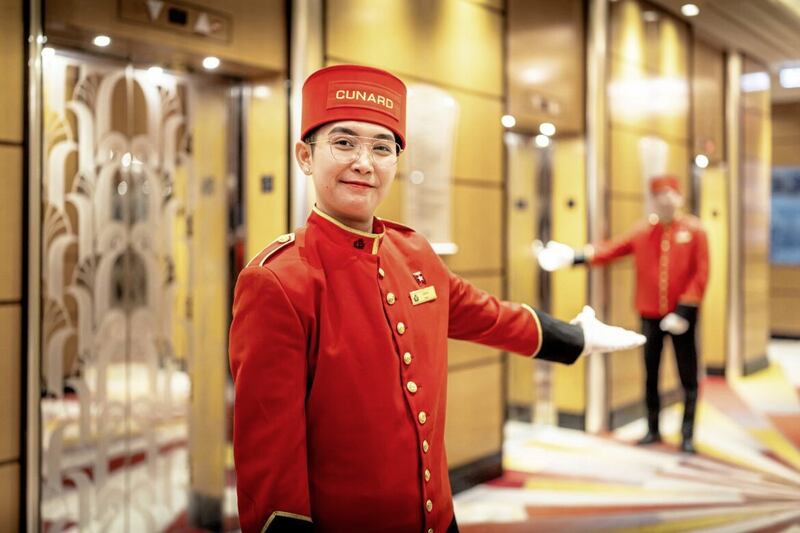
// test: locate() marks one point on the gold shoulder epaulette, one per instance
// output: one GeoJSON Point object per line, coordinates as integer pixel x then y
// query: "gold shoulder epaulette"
{"type": "Point", "coordinates": [272, 248]}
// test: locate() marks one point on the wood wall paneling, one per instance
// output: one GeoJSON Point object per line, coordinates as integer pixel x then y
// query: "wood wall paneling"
{"type": "Point", "coordinates": [9, 497]}
{"type": "Point", "coordinates": [713, 316]}
{"type": "Point", "coordinates": [10, 362]}
{"type": "Point", "coordinates": [265, 155]}
{"type": "Point", "coordinates": [626, 212]}
{"type": "Point", "coordinates": [474, 413]}
{"type": "Point", "coordinates": [11, 65]}
{"type": "Point", "coordinates": [479, 238]}
{"type": "Point", "coordinates": [786, 129]}
{"type": "Point", "coordinates": [626, 163]}
{"type": "Point", "coordinates": [431, 41]}
{"type": "Point", "coordinates": [657, 46]}
{"type": "Point", "coordinates": [785, 279]}
{"type": "Point", "coordinates": [522, 216]}
{"type": "Point", "coordinates": [546, 65]}
{"type": "Point", "coordinates": [210, 293]}
{"type": "Point", "coordinates": [708, 101]}
{"type": "Point", "coordinates": [755, 184]}
{"type": "Point", "coordinates": [569, 287]}
{"type": "Point", "coordinates": [479, 141]}
{"type": "Point", "coordinates": [11, 223]}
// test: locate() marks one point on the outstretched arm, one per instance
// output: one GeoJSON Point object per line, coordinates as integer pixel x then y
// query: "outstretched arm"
{"type": "Point", "coordinates": [477, 316]}
{"type": "Point", "coordinates": [556, 255]}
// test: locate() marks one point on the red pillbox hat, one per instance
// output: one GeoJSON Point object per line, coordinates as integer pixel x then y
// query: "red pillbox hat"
{"type": "Point", "coordinates": [354, 92]}
{"type": "Point", "coordinates": [659, 183]}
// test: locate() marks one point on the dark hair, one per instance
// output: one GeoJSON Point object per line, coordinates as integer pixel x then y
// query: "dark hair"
{"type": "Point", "coordinates": [310, 137]}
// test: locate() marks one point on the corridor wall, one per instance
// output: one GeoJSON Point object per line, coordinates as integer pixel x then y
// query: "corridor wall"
{"type": "Point", "coordinates": [12, 149]}
{"type": "Point", "coordinates": [753, 213]}
{"type": "Point", "coordinates": [711, 186]}
{"type": "Point", "coordinates": [785, 279]}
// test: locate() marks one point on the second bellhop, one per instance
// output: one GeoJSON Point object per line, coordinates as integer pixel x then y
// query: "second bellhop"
{"type": "Point", "coordinates": [671, 263]}
{"type": "Point", "coordinates": [347, 332]}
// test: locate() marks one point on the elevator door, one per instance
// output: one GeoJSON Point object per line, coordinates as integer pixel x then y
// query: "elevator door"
{"type": "Point", "coordinates": [134, 291]}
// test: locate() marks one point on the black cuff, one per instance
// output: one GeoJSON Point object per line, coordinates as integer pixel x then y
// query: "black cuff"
{"type": "Point", "coordinates": [284, 523]}
{"type": "Point", "coordinates": [561, 342]}
{"type": "Point", "coordinates": [580, 258]}
{"type": "Point", "coordinates": [688, 312]}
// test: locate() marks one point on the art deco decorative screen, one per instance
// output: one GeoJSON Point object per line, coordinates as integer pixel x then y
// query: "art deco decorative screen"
{"type": "Point", "coordinates": [116, 326]}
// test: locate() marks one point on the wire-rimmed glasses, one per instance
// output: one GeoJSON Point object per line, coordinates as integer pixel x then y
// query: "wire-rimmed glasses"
{"type": "Point", "coordinates": [347, 148]}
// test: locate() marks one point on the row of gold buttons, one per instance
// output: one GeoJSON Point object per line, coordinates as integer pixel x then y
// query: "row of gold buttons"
{"type": "Point", "coordinates": [663, 281]}
{"type": "Point", "coordinates": [411, 386]}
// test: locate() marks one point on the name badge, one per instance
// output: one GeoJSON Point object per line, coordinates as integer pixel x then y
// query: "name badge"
{"type": "Point", "coordinates": [682, 237]}
{"type": "Point", "coordinates": [420, 296]}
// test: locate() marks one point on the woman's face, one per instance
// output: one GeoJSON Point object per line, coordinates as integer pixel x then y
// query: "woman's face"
{"type": "Point", "coordinates": [349, 191]}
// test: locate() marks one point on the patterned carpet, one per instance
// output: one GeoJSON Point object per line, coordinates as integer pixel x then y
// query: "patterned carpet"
{"type": "Point", "coordinates": [746, 476]}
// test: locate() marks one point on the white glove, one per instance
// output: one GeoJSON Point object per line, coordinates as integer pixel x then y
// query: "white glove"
{"type": "Point", "coordinates": [555, 256]}
{"type": "Point", "coordinates": [599, 337]}
{"type": "Point", "coordinates": [674, 324]}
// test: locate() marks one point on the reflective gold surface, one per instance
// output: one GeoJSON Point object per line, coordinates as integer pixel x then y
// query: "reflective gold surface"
{"type": "Point", "coordinates": [10, 393]}
{"type": "Point", "coordinates": [427, 40]}
{"type": "Point", "coordinates": [522, 215]}
{"type": "Point", "coordinates": [11, 65]}
{"type": "Point", "coordinates": [569, 287]}
{"type": "Point", "coordinates": [11, 222]}
{"type": "Point", "coordinates": [9, 496]}
{"type": "Point", "coordinates": [266, 120]}
{"type": "Point", "coordinates": [755, 180]}
{"type": "Point", "coordinates": [474, 413]}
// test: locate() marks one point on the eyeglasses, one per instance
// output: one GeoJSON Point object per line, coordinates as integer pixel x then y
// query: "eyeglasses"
{"type": "Point", "coordinates": [347, 148]}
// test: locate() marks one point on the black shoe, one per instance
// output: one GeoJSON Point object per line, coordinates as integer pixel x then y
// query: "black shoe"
{"type": "Point", "coordinates": [650, 438]}
{"type": "Point", "coordinates": [687, 446]}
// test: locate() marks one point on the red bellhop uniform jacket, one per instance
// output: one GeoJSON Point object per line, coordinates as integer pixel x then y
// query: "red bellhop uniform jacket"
{"type": "Point", "coordinates": [338, 352]}
{"type": "Point", "coordinates": [671, 263]}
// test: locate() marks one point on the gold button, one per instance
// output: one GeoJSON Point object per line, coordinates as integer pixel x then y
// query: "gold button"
{"type": "Point", "coordinates": [283, 238]}
{"type": "Point", "coordinates": [412, 387]}
{"type": "Point", "coordinates": [425, 446]}
{"type": "Point", "coordinates": [429, 506]}
{"type": "Point", "coordinates": [401, 328]}
{"type": "Point", "coordinates": [407, 358]}
{"type": "Point", "coordinates": [390, 299]}
{"type": "Point", "coordinates": [665, 245]}
{"type": "Point", "coordinates": [381, 272]}
{"type": "Point", "coordinates": [427, 475]}
{"type": "Point", "coordinates": [430, 530]}
{"type": "Point", "coordinates": [423, 417]}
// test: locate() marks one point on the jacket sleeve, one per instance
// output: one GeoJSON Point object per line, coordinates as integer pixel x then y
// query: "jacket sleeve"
{"type": "Point", "coordinates": [607, 251]}
{"type": "Point", "coordinates": [696, 288]}
{"type": "Point", "coordinates": [269, 368]}
{"type": "Point", "coordinates": [477, 316]}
